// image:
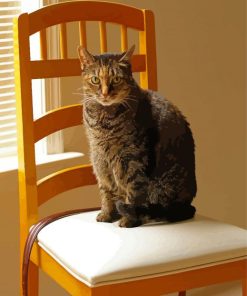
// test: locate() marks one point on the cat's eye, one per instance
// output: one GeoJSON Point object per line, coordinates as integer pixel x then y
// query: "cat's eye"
{"type": "Point", "coordinates": [95, 80]}
{"type": "Point", "coordinates": [116, 80]}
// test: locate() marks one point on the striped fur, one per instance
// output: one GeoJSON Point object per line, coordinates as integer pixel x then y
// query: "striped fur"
{"type": "Point", "coordinates": [141, 146]}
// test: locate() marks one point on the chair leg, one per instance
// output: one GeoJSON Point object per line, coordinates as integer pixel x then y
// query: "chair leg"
{"type": "Point", "coordinates": [244, 286]}
{"type": "Point", "coordinates": [33, 280]}
{"type": "Point", "coordinates": [182, 293]}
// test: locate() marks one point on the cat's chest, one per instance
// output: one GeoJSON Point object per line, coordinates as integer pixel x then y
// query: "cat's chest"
{"type": "Point", "coordinates": [107, 135]}
{"type": "Point", "coordinates": [103, 125]}
{"type": "Point", "coordinates": [112, 139]}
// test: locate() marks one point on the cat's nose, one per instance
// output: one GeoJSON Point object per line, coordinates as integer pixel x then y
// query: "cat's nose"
{"type": "Point", "coordinates": [104, 91]}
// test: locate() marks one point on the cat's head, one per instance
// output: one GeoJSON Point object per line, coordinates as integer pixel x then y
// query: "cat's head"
{"type": "Point", "coordinates": [107, 78]}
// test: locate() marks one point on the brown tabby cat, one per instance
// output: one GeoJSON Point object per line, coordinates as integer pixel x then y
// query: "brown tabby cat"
{"type": "Point", "coordinates": [142, 149]}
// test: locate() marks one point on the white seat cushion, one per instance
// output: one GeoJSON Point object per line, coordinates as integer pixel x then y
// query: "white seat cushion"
{"type": "Point", "coordinates": [99, 253]}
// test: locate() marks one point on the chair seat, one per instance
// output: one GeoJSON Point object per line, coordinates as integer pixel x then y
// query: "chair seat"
{"type": "Point", "coordinates": [99, 253]}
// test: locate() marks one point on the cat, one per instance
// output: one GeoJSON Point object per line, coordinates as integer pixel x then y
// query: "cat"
{"type": "Point", "coordinates": [141, 146]}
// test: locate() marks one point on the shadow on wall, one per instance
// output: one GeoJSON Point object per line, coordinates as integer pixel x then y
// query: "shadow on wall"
{"type": "Point", "coordinates": [201, 54]}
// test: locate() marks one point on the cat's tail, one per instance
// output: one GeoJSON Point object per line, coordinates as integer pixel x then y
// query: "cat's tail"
{"type": "Point", "coordinates": [174, 212]}
{"type": "Point", "coordinates": [178, 212]}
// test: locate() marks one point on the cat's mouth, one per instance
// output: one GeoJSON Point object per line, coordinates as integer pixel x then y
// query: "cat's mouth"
{"type": "Point", "coordinates": [113, 98]}
{"type": "Point", "coordinates": [107, 101]}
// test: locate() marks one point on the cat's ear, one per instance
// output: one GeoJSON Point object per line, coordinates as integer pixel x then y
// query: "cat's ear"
{"type": "Point", "coordinates": [85, 57]}
{"type": "Point", "coordinates": [126, 56]}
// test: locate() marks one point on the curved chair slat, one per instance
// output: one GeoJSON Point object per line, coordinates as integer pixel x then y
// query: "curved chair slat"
{"type": "Point", "coordinates": [71, 67]}
{"type": "Point", "coordinates": [56, 120]}
{"type": "Point", "coordinates": [64, 180]}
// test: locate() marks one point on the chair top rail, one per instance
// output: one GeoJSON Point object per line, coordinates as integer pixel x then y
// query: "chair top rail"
{"type": "Point", "coordinates": [85, 11]}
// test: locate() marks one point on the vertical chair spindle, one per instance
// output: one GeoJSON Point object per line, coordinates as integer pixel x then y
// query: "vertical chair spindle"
{"type": "Point", "coordinates": [124, 38]}
{"type": "Point", "coordinates": [103, 40]}
{"type": "Point", "coordinates": [82, 32]}
{"type": "Point", "coordinates": [63, 41]}
{"type": "Point", "coordinates": [147, 45]}
{"type": "Point", "coordinates": [43, 44]}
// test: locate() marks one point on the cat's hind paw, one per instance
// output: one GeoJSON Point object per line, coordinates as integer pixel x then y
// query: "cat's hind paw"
{"type": "Point", "coordinates": [128, 223]}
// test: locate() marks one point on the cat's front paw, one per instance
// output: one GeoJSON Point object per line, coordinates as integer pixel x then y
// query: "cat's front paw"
{"type": "Point", "coordinates": [104, 217]}
{"type": "Point", "coordinates": [129, 223]}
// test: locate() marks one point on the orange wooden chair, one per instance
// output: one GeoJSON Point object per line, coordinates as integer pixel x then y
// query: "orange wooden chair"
{"type": "Point", "coordinates": [145, 261]}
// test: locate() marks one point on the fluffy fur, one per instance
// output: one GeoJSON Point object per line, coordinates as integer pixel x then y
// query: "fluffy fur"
{"type": "Point", "coordinates": [142, 148]}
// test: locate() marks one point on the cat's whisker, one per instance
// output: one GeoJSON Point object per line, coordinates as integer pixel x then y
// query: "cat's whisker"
{"type": "Point", "coordinates": [129, 106]}
{"type": "Point", "coordinates": [88, 96]}
{"type": "Point", "coordinates": [86, 100]}
{"type": "Point", "coordinates": [125, 105]}
{"type": "Point", "coordinates": [130, 99]}
{"type": "Point", "coordinates": [79, 94]}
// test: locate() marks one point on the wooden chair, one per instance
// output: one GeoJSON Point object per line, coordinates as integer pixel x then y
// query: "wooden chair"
{"type": "Point", "coordinates": [228, 263]}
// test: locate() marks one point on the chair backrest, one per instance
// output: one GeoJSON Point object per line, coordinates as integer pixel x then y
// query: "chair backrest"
{"type": "Point", "coordinates": [35, 192]}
